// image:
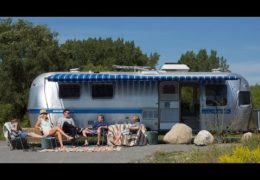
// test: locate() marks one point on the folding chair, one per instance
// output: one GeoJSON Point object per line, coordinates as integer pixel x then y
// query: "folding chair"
{"type": "Point", "coordinates": [103, 136]}
{"type": "Point", "coordinates": [13, 141]}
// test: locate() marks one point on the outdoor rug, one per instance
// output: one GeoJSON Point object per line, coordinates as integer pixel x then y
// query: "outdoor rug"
{"type": "Point", "coordinates": [84, 149]}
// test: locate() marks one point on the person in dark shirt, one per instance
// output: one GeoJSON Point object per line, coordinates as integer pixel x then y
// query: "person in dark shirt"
{"type": "Point", "coordinates": [96, 129]}
{"type": "Point", "coordinates": [67, 124]}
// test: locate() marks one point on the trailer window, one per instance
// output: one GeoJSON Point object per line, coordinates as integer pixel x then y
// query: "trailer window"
{"type": "Point", "coordinates": [216, 95]}
{"type": "Point", "coordinates": [69, 90]}
{"type": "Point", "coordinates": [244, 97]}
{"type": "Point", "coordinates": [102, 90]}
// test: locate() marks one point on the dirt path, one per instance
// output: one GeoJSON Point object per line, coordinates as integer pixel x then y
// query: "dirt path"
{"type": "Point", "coordinates": [125, 155]}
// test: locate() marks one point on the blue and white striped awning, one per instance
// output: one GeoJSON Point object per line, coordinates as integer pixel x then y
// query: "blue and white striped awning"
{"type": "Point", "coordinates": [84, 77]}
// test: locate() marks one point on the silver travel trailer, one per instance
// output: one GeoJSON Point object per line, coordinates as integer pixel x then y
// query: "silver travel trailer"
{"type": "Point", "coordinates": [202, 100]}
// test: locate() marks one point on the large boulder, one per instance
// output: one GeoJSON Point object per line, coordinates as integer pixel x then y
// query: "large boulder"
{"type": "Point", "coordinates": [179, 134]}
{"type": "Point", "coordinates": [203, 138]}
{"type": "Point", "coordinates": [246, 136]}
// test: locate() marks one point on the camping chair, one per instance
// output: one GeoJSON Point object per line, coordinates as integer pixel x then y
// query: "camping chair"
{"type": "Point", "coordinates": [103, 136]}
{"type": "Point", "coordinates": [13, 141]}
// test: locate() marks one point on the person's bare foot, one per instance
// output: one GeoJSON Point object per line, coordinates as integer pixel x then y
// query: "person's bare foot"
{"type": "Point", "coordinates": [62, 148]}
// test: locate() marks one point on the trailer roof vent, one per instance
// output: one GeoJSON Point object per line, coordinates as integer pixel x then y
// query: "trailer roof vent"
{"type": "Point", "coordinates": [153, 72]}
{"type": "Point", "coordinates": [170, 67]}
{"type": "Point", "coordinates": [216, 70]}
{"type": "Point", "coordinates": [74, 70]}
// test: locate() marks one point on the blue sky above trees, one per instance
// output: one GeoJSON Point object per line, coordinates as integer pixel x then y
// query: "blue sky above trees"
{"type": "Point", "coordinates": [237, 39]}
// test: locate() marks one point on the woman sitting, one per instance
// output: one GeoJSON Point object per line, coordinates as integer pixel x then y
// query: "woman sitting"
{"type": "Point", "coordinates": [17, 131]}
{"type": "Point", "coordinates": [48, 129]}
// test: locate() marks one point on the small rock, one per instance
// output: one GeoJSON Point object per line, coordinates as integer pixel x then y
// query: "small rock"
{"type": "Point", "coordinates": [246, 136]}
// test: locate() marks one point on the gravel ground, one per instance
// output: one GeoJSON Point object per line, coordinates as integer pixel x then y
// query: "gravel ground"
{"type": "Point", "coordinates": [125, 155]}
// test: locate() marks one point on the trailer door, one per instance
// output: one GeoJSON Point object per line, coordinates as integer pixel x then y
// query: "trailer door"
{"type": "Point", "coordinates": [168, 104]}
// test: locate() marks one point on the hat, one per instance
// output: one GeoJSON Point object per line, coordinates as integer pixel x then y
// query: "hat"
{"type": "Point", "coordinates": [43, 111]}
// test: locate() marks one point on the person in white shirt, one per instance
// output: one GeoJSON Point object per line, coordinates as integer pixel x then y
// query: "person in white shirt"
{"type": "Point", "coordinates": [67, 124]}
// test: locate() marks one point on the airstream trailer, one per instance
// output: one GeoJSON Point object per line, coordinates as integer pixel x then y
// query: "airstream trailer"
{"type": "Point", "coordinates": [202, 100]}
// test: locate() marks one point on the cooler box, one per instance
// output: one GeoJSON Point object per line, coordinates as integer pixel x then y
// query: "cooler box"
{"type": "Point", "coordinates": [48, 143]}
{"type": "Point", "coordinates": [152, 137]}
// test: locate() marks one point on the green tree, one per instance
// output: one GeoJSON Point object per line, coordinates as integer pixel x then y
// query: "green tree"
{"type": "Point", "coordinates": [255, 92]}
{"type": "Point", "coordinates": [95, 52]}
{"type": "Point", "coordinates": [26, 50]}
{"type": "Point", "coordinates": [93, 68]}
{"type": "Point", "coordinates": [203, 62]}
{"type": "Point", "coordinates": [153, 59]}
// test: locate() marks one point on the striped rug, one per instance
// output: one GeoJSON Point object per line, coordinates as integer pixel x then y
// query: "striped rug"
{"type": "Point", "coordinates": [84, 149]}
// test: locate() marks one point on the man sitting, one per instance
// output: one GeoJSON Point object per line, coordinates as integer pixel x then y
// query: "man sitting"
{"type": "Point", "coordinates": [96, 129]}
{"type": "Point", "coordinates": [67, 124]}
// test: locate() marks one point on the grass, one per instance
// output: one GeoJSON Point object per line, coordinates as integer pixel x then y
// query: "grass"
{"type": "Point", "coordinates": [210, 155]}
{"type": "Point", "coordinates": [241, 154]}
{"type": "Point", "coordinates": [253, 143]}
{"type": "Point", "coordinates": [213, 153]}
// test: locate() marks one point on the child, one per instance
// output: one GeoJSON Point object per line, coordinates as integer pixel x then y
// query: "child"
{"type": "Point", "coordinates": [97, 129]}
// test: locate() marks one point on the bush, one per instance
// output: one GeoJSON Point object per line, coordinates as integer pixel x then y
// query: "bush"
{"type": "Point", "coordinates": [25, 121]}
{"type": "Point", "coordinates": [6, 111]}
{"type": "Point", "coordinates": [242, 154]}
{"type": "Point", "coordinates": [249, 152]}
{"type": "Point", "coordinates": [252, 143]}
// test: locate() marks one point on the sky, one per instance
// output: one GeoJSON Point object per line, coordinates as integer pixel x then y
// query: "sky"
{"type": "Point", "coordinates": [237, 39]}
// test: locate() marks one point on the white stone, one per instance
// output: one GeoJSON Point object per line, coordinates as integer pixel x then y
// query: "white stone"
{"type": "Point", "coordinates": [204, 138]}
{"type": "Point", "coordinates": [246, 136]}
{"type": "Point", "coordinates": [179, 134]}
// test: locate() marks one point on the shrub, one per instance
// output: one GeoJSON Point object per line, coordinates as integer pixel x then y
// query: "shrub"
{"type": "Point", "coordinates": [25, 121]}
{"type": "Point", "coordinates": [252, 143]}
{"type": "Point", "coordinates": [242, 154]}
{"type": "Point", "coordinates": [6, 111]}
